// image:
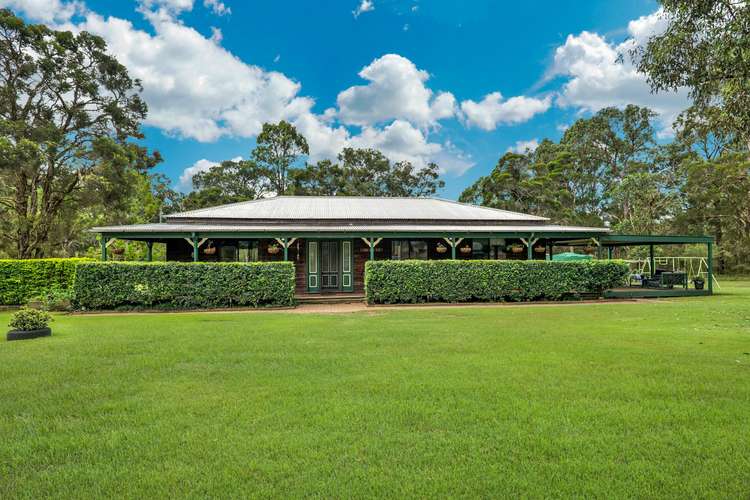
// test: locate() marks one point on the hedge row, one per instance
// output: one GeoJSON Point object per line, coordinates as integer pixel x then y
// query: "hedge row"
{"type": "Point", "coordinates": [21, 280]}
{"type": "Point", "coordinates": [411, 281]}
{"type": "Point", "coordinates": [174, 285]}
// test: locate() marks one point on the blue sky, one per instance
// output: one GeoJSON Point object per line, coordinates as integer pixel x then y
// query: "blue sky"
{"type": "Point", "coordinates": [458, 83]}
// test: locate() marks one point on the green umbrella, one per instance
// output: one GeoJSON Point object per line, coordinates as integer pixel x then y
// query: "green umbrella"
{"type": "Point", "coordinates": [568, 256]}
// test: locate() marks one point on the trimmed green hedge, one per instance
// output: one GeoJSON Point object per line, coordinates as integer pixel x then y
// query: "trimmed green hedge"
{"type": "Point", "coordinates": [175, 285]}
{"type": "Point", "coordinates": [411, 281]}
{"type": "Point", "coordinates": [23, 279]}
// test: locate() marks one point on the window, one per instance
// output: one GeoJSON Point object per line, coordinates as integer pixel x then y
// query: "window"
{"type": "Point", "coordinates": [248, 251]}
{"type": "Point", "coordinates": [480, 249]}
{"type": "Point", "coordinates": [404, 250]}
{"type": "Point", "coordinates": [228, 253]}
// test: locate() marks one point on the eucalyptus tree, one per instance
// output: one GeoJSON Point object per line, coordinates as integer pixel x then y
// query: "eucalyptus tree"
{"type": "Point", "coordinates": [68, 110]}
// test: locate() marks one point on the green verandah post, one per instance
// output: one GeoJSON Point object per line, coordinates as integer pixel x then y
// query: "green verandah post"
{"type": "Point", "coordinates": [103, 241]}
{"type": "Point", "coordinates": [710, 267]}
{"type": "Point", "coordinates": [651, 262]}
{"type": "Point", "coordinates": [195, 247]}
{"type": "Point", "coordinates": [149, 251]}
{"type": "Point", "coordinates": [286, 248]}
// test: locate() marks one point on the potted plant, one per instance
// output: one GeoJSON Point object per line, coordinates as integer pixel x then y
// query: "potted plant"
{"type": "Point", "coordinates": [466, 249]}
{"type": "Point", "coordinates": [539, 249]}
{"type": "Point", "coordinates": [273, 249]}
{"type": "Point", "coordinates": [29, 323]}
{"type": "Point", "coordinates": [699, 282]}
{"type": "Point", "coordinates": [440, 248]}
{"type": "Point", "coordinates": [210, 249]}
{"type": "Point", "coordinates": [516, 248]}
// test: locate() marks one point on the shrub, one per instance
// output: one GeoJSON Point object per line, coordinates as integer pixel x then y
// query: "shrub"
{"type": "Point", "coordinates": [27, 319]}
{"type": "Point", "coordinates": [54, 299]}
{"type": "Point", "coordinates": [21, 280]}
{"type": "Point", "coordinates": [175, 285]}
{"type": "Point", "coordinates": [392, 282]}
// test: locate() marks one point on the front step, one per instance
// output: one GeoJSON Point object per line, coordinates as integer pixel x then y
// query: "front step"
{"type": "Point", "coordinates": [330, 299]}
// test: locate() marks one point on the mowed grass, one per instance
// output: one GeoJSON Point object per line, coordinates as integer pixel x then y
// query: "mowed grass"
{"type": "Point", "coordinates": [605, 400]}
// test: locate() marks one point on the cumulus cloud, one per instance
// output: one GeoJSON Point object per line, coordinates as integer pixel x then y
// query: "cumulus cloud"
{"type": "Point", "coordinates": [364, 6]}
{"type": "Point", "coordinates": [596, 80]}
{"type": "Point", "coordinates": [492, 111]}
{"type": "Point", "coordinates": [396, 90]}
{"type": "Point", "coordinates": [196, 89]}
{"type": "Point", "coordinates": [45, 11]}
{"type": "Point", "coordinates": [217, 7]}
{"type": "Point", "coordinates": [193, 86]}
{"type": "Point", "coordinates": [185, 182]}
{"type": "Point", "coordinates": [522, 147]}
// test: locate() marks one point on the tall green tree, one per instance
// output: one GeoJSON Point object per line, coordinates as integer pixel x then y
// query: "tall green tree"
{"type": "Point", "coordinates": [532, 182]}
{"type": "Point", "coordinates": [67, 110]}
{"type": "Point", "coordinates": [606, 148]}
{"type": "Point", "coordinates": [278, 147]}
{"type": "Point", "coordinates": [228, 182]}
{"type": "Point", "coordinates": [367, 172]}
{"type": "Point", "coordinates": [706, 48]}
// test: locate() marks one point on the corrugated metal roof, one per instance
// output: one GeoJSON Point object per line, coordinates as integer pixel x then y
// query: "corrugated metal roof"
{"type": "Point", "coordinates": [354, 208]}
{"type": "Point", "coordinates": [358, 228]}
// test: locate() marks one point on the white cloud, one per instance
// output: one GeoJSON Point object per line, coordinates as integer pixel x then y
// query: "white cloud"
{"type": "Point", "coordinates": [196, 89]}
{"type": "Point", "coordinates": [45, 11]}
{"type": "Point", "coordinates": [364, 6]}
{"type": "Point", "coordinates": [171, 7]}
{"type": "Point", "coordinates": [522, 147]}
{"type": "Point", "coordinates": [596, 80]}
{"type": "Point", "coordinates": [492, 111]}
{"type": "Point", "coordinates": [399, 141]}
{"type": "Point", "coordinates": [186, 179]}
{"type": "Point", "coordinates": [193, 86]}
{"type": "Point", "coordinates": [185, 183]}
{"type": "Point", "coordinates": [217, 7]}
{"type": "Point", "coordinates": [396, 90]}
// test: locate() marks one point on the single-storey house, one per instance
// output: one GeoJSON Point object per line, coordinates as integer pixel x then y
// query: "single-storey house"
{"type": "Point", "coordinates": [329, 239]}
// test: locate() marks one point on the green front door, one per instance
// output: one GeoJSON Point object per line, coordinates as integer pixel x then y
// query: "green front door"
{"type": "Point", "coordinates": [330, 266]}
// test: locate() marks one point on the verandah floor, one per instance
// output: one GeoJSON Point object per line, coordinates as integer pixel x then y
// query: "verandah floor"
{"type": "Point", "coordinates": [642, 293]}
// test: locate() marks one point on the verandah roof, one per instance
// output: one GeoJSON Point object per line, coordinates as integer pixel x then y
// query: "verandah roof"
{"type": "Point", "coordinates": [171, 230]}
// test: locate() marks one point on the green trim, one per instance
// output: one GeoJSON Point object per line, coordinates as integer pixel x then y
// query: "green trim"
{"type": "Point", "coordinates": [642, 239]}
{"type": "Point", "coordinates": [313, 285]}
{"type": "Point", "coordinates": [340, 235]}
{"type": "Point", "coordinates": [347, 277]}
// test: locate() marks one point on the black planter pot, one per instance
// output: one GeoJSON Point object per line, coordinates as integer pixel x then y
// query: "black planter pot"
{"type": "Point", "coordinates": [699, 284]}
{"type": "Point", "coordinates": [28, 334]}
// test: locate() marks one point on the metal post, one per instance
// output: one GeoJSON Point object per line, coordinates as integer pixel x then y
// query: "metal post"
{"type": "Point", "coordinates": [372, 248]}
{"type": "Point", "coordinates": [453, 248]}
{"type": "Point", "coordinates": [609, 253]}
{"type": "Point", "coordinates": [103, 241]}
{"type": "Point", "coordinates": [195, 247]}
{"type": "Point", "coordinates": [286, 248]}
{"type": "Point", "coordinates": [149, 250]}
{"type": "Point", "coordinates": [710, 268]}
{"type": "Point", "coordinates": [651, 262]}
{"type": "Point", "coordinates": [551, 250]}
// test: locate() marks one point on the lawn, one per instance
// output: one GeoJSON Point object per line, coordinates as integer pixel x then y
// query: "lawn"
{"type": "Point", "coordinates": [627, 400]}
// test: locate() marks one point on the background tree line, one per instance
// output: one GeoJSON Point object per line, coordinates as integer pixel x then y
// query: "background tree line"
{"type": "Point", "coordinates": [70, 156]}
